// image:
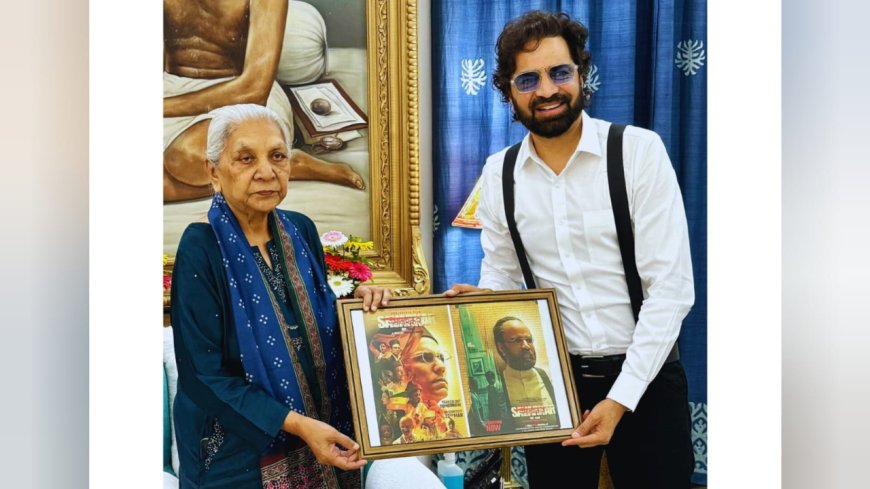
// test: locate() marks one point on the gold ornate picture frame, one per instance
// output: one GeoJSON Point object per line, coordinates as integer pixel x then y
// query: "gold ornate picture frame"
{"type": "Point", "coordinates": [395, 147]}
{"type": "Point", "coordinates": [435, 374]}
{"type": "Point", "coordinates": [392, 104]}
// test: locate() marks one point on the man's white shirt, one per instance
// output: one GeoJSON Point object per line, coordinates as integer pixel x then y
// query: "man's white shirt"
{"type": "Point", "coordinates": [566, 224]}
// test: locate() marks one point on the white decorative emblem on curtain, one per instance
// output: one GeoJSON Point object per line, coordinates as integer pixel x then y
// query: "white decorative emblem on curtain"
{"type": "Point", "coordinates": [690, 56]}
{"type": "Point", "coordinates": [473, 75]}
{"type": "Point", "coordinates": [592, 82]}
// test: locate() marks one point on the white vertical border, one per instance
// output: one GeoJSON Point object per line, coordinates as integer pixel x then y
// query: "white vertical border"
{"type": "Point", "coordinates": [554, 366]}
{"type": "Point", "coordinates": [357, 322]}
{"type": "Point", "coordinates": [424, 87]}
{"type": "Point", "coordinates": [744, 243]}
{"type": "Point", "coordinates": [126, 422]}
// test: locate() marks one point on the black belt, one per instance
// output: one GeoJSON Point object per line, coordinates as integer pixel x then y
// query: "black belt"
{"type": "Point", "coordinates": [600, 366]}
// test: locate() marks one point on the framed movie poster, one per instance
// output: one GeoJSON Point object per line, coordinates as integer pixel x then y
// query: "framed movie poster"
{"type": "Point", "coordinates": [434, 374]}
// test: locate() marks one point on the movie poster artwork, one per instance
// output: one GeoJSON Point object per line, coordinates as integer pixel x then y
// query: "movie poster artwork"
{"type": "Point", "coordinates": [508, 368]}
{"type": "Point", "coordinates": [416, 375]}
{"type": "Point", "coordinates": [457, 371]}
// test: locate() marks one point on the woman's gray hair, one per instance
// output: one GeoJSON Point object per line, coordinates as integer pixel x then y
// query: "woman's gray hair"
{"type": "Point", "coordinates": [225, 119]}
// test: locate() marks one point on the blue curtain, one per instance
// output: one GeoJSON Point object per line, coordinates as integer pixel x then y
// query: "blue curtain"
{"type": "Point", "coordinates": [649, 69]}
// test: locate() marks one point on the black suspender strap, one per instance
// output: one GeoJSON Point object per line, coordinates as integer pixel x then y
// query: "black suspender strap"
{"type": "Point", "coordinates": [507, 187]}
{"type": "Point", "coordinates": [624, 232]}
{"type": "Point", "coordinates": [618, 200]}
{"type": "Point", "coordinates": [622, 216]}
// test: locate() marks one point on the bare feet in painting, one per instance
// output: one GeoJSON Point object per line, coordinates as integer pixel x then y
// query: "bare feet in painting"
{"type": "Point", "coordinates": [185, 176]}
{"type": "Point", "coordinates": [175, 191]}
{"type": "Point", "coordinates": [308, 167]}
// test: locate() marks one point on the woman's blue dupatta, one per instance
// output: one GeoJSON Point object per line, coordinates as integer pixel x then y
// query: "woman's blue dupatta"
{"type": "Point", "coordinates": [269, 359]}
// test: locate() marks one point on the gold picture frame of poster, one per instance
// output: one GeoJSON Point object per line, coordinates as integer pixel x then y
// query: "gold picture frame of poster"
{"type": "Point", "coordinates": [439, 350]}
{"type": "Point", "coordinates": [397, 259]}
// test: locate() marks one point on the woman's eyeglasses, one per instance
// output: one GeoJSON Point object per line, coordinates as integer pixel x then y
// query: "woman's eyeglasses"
{"type": "Point", "coordinates": [429, 357]}
{"type": "Point", "coordinates": [531, 80]}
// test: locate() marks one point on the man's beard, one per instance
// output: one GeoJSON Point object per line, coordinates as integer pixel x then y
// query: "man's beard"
{"type": "Point", "coordinates": [555, 126]}
{"type": "Point", "coordinates": [522, 361]}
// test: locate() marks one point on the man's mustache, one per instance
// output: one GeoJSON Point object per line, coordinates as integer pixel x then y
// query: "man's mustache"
{"type": "Point", "coordinates": [556, 97]}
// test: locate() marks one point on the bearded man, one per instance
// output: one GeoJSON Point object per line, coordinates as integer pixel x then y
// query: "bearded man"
{"type": "Point", "coordinates": [528, 388]}
{"type": "Point", "coordinates": [592, 210]}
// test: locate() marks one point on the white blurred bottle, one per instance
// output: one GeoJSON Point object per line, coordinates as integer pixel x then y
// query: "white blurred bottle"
{"type": "Point", "coordinates": [452, 475]}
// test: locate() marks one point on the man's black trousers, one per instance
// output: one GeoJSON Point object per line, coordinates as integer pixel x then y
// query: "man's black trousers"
{"type": "Point", "coordinates": [651, 447]}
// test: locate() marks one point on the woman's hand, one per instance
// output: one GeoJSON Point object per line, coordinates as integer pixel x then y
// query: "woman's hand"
{"type": "Point", "coordinates": [372, 296]}
{"type": "Point", "coordinates": [329, 446]}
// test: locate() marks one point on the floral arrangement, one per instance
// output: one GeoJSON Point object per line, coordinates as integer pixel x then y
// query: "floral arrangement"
{"type": "Point", "coordinates": [167, 275]}
{"type": "Point", "coordinates": [346, 267]}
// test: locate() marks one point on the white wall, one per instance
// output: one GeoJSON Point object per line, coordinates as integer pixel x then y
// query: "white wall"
{"type": "Point", "coordinates": [424, 70]}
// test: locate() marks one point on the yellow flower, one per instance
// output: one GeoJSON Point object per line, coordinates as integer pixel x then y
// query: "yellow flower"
{"type": "Point", "coordinates": [358, 245]}
{"type": "Point", "coordinates": [165, 259]}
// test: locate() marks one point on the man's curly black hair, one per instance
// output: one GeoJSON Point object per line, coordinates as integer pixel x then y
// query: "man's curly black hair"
{"type": "Point", "coordinates": [534, 26]}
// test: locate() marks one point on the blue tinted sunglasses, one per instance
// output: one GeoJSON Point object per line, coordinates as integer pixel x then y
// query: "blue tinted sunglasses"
{"type": "Point", "coordinates": [531, 80]}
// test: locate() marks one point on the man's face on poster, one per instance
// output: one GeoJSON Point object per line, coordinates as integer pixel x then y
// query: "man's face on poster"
{"type": "Point", "coordinates": [395, 349]}
{"type": "Point", "coordinates": [388, 376]}
{"type": "Point", "coordinates": [414, 396]}
{"type": "Point", "coordinates": [399, 373]}
{"type": "Point", "coordinates": [386, 432]}
{"type": "Point", "coordinates": [517, 347]}
{"type": "Point", "coordinates": [426, 367]}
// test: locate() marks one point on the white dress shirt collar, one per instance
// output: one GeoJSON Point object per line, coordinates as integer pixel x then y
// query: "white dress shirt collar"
{"type": "Point", "coordinates": [590, 142]}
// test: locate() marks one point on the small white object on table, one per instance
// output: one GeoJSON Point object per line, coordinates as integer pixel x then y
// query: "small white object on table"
{"type": "Point", "coordinates": [401, 473]}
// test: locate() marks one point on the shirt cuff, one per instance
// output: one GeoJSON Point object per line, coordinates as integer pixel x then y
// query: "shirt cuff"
{"type": "Point", "coordinates": [493, 283]}
{"type": "Point", "coordinates": [627, 390]}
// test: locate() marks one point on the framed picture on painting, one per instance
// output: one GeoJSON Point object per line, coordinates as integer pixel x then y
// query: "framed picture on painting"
{"type": "Point", "coordinates": [432, 374]}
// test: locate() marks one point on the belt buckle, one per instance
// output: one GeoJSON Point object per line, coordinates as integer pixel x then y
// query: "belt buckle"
{"type": "Point", "coordinates": [586, 366]}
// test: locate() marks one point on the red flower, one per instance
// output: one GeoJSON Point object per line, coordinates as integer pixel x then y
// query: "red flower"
{"type": "Point", "coordinates": [167, 282]}
{"type": "Point", "coordinates": [335, 262]}
{"type": "Point", "coordinates": [359, 271]}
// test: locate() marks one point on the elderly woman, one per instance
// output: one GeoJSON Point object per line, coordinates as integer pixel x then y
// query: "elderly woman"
{"type": "Point", "coordinates": [262, 394]}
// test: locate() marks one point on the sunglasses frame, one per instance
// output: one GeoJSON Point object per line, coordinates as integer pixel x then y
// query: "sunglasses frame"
{"type": "Point", "coordinates": [435, 356]}
{"type": "Point", "coordinates": [574, 70]}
